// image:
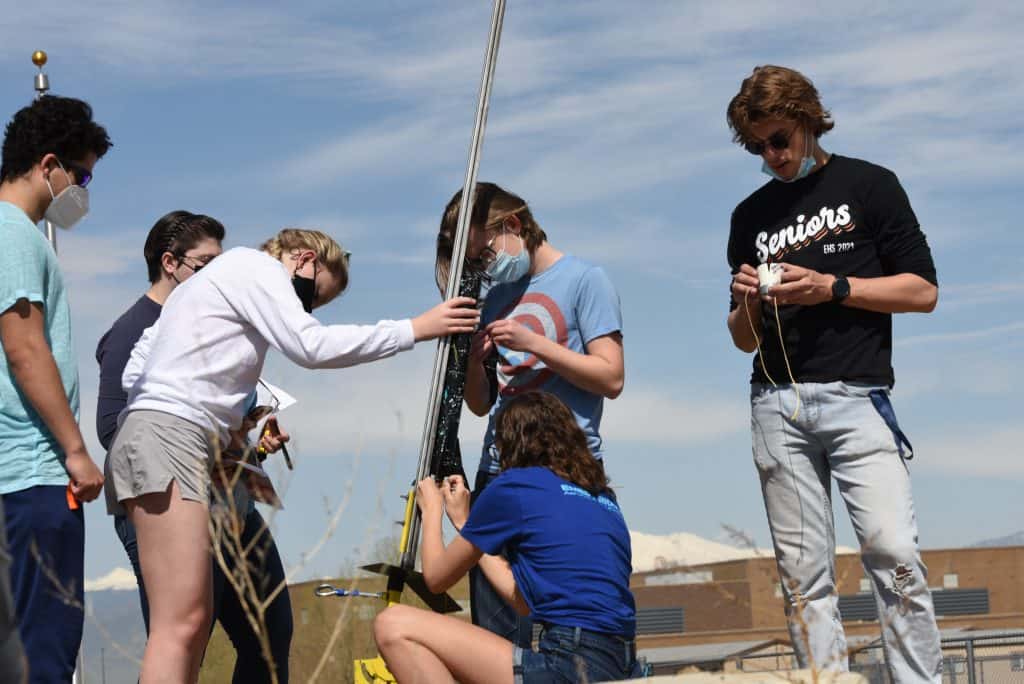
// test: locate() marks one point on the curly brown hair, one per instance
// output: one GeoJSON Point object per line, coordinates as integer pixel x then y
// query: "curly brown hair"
{"type": "Point", "coordinates": [775, 92]}
{"type": "Point", "coordinates": [537, 429]}
{"type": "Point", "coordinates": [61, 125]}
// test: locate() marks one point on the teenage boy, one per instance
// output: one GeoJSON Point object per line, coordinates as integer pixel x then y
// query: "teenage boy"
{"type": "Point", "coordinates": [852, 254]}
{"type": "Point", "coordinates": [49, 151]}
{"type": "Point", "coordinates": [551, 322]}
{"type": "Point", "coordinates": [179, 245]}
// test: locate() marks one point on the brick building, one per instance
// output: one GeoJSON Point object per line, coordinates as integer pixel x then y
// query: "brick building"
{"type": "Point", "coordinates": [738, 604]}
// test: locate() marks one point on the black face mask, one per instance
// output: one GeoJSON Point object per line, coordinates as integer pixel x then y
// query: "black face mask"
{"type": "Point", "coordinates": [305, 290]}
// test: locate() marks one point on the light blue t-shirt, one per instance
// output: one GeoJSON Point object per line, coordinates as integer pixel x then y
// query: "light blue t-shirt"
{"type": "Point", "coordinates": [571, 302]}
{"type": "Point", "coordinates": [29, 454]}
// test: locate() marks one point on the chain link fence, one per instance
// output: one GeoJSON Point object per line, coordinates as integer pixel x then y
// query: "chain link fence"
{"type": "Point", "coordinates": [983, 658]}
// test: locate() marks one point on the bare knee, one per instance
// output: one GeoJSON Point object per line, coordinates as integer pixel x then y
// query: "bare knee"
{"type": "Point", "coordinates": [188, 630]}
{"type": "Point", "coordinates": [392, 625]}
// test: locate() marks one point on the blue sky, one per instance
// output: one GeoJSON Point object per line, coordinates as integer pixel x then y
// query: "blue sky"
{"type": "Point", "coordinates": [609, 118]}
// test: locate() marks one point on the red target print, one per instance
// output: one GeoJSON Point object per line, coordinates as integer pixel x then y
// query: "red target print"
{"type": "Point", "coordinates": [520, 371]}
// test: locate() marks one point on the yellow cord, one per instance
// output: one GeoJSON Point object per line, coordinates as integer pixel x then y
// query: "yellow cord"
{"type": "Point", "coordinates": [757, 340]}
{"type": "Point", "coordinates": [785, 356]}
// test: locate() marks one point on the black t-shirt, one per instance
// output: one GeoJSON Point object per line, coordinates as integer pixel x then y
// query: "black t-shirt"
{"type": "Point", "coordinates": [112, 353]}
{"type": "Point", "coordinates": [849, 218]}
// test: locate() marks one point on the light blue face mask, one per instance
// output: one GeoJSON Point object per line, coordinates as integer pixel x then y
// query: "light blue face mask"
{"type": "Point", "coordinates": [507, 268]}
{"type": "Point", "coordinates": [806, 164]}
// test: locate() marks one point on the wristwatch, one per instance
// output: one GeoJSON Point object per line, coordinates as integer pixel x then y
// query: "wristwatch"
{"type": "Point", "coordinates": [840, 289]}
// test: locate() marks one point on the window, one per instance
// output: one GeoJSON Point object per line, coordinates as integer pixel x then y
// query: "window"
{"type": "Point", "coordinates": [660, 620]}
{"type": "Point", "coordinates": [950, 581]}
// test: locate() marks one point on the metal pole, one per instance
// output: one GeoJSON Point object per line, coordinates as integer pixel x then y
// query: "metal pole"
{"type": "Point", "coordinates": [971, 675]}
{"type": "Point", "coordinates": [455, 272]}
{"type": "Point", "coordinates": [42, 84]}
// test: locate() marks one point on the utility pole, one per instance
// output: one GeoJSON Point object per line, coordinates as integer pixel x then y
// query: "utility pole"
{"type": "Point", "coordinates": [42, 85]}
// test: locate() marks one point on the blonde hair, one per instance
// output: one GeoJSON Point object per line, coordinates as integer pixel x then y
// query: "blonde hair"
{"type": "Point", "coordinates": [328, 251]}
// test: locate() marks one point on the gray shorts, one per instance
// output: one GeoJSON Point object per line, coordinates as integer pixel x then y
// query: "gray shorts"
{"type": "Point", "coordinates": [152, 448]}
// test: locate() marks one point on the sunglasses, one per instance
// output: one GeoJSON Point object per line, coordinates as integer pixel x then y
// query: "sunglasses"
{"type": "Point", "coordinates": [82, 175]}
{"type": "Point", "coordinates": [778, 141]}
{"type": "Point", "coordinates": [203, 261]}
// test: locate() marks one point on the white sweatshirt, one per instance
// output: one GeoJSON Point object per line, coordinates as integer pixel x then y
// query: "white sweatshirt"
{"type": "Point", "coordinates": [203, 358]}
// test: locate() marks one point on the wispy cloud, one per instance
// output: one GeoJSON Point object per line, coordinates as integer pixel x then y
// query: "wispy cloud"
{"type": "Point", "coordinates": [657, 415]}
{"type": "Point", "coordinates": [88, 255]}
{"type": "Point", "coordinates": [961, 336]}
{"type": "Point", "coordinates": [987, 450]}
{"type": "Point", "coordinates": [971, 375]}
{"type": "Point", "coordinates": [393, 149]}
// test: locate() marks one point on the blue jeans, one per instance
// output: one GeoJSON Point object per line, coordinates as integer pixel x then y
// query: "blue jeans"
{"type": "Point", "coordinates": [267, 571]}
{"type": "Point", "coordinates": [572, 654]}
{"type": "Point", "coordinates": [47, 546]}
{"type": "Point", "coordinates": [13, 667]}
{"type": "Point", "coordinates": [487, 608]}
{"type": "Point", "coordinates": [840, 433]}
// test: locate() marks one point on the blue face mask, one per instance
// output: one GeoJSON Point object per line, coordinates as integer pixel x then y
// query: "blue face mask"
{"type": "Point", "coordinates": [507, 268]}
{"type": "Point", "coordinates": [806, 164]}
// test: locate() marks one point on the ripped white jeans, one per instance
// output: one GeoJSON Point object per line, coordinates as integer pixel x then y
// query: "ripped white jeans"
{"type": "Point", "coordinates": [838, 433]}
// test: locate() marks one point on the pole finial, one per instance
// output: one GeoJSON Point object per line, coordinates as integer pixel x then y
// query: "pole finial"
{"type": "Point", "coordinates": [42, 81]}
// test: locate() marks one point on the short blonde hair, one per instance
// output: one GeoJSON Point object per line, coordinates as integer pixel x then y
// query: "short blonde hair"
{"type": "Point", "coordinates": [775, 92]}
{"type": "Point", "coordinates": [328, 251]}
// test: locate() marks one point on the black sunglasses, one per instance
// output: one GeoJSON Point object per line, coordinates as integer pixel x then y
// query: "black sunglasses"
{"type": "Point", "coordinates": [82, 175]}
{"type": "Point", "coordinates": [777, 141]}
{"type": "Point", "coordinates": [203, 261]}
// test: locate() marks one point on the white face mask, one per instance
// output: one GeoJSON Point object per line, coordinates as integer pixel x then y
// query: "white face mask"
{"type": "Point", "coordinates": [69, 207]}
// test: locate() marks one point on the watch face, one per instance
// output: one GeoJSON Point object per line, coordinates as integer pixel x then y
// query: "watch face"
{"type": "Point", "coordinates": [840, 288]}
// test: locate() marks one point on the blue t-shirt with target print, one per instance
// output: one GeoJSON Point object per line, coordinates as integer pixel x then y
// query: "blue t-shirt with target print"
{"type": "Point", "coordinates": [572, 302]}
{"type": "Point", "coordinates": [569, 550]}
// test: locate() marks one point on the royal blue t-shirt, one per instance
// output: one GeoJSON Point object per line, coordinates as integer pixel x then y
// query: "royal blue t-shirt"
{"type": "Point", "coordinates": [569, 550]}
{"type": "Point", "coordinates": [572, 303]}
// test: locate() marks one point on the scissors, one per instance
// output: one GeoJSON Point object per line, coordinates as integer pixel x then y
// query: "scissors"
{"type": "Point", "coordinates": [284, 448]}
{"type": "Point", "coordinates": [330, 590]}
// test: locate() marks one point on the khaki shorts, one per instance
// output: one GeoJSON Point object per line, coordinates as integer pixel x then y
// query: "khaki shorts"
{"type": "Point", "coordinates": [152, 448]}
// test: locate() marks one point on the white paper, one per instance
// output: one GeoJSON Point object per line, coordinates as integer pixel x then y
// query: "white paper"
{"type": "Point", "coordinates": [266, 393]}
